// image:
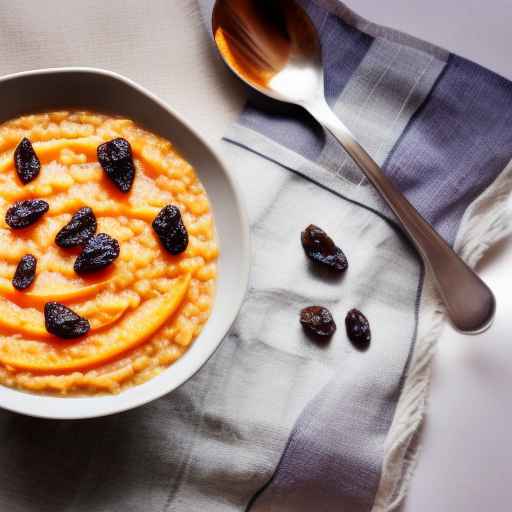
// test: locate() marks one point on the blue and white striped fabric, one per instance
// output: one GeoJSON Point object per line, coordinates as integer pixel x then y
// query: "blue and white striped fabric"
{"type": "Point", "coordinates": [442, 129]}
{"type": "Point", "coordinates": [274, 422]}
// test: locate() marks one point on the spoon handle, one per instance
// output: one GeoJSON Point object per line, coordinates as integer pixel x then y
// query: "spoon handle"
{"type": "Point", "coordinates": [468, 300]}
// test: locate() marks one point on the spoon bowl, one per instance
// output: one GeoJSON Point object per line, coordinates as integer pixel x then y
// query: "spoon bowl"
{"type": "Point", "coordinates": [273, 46]}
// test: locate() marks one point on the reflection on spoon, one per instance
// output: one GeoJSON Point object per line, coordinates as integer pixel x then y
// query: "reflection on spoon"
{"type": "Point", "coordinates": [252, 37]}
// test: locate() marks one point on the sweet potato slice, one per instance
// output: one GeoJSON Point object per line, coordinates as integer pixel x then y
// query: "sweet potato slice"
{"type": "Point", "coordinates": [47, 151]}
{"type": "Point", "coordinates": [34, 298]}
{"type": "Point", "coordinates": [17, 321]}
{"type": "Point", "coordinates": [50, 150]}
{"type": "Point", "coordinates": [97, 348]}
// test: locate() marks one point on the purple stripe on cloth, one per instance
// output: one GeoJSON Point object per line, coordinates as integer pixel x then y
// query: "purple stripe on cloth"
{"type": "Point", "coordinates": [455, 145]}
{"type": "Point", "coordinates": [291, 126]}
{"type": "Point", "coordinates": [312, 474]}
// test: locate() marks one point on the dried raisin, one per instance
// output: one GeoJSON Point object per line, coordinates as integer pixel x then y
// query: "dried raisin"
{"type": "Point", "coordinates": [24, 213]}
{"type": "Point", "coordinates": [318, 321]}
{"type": "Point", "coordinates": [26, 162]}
{"type": "Point", "coordinates": [170, 229]}
{"type": "Point", "coordinates": [25, 272]}
{"type": "Point", "coordinates": [320, 248]}
{"type": "Point", "coordinates": [63, 322]}
{"type": "Point", "coordinates": [78, 230]}
{"type": "Point", "coordinates": [358, 328]}
{"type": "Point", "coordinates": [99, 252]}
{"type": "Point", "coordinates": [115, 156]}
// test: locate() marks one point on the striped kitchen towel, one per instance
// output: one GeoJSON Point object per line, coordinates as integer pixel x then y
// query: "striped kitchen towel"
{"type": "Point", "coordinates": [441, 127]}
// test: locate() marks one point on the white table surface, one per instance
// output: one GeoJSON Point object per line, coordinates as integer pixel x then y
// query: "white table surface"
{"type": "Point", "coordinates": [466, 460]}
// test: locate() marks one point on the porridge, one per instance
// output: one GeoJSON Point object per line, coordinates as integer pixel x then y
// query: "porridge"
{"type": "Point", "coordinates": [107, 253]}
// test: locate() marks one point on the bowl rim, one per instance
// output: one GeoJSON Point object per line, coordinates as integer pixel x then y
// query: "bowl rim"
{"type": "Point", "coordinates": [118, 403]}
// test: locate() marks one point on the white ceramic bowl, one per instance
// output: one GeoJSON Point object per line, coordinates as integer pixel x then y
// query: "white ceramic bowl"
{"type": "Point", "coordinates": [104, 91]}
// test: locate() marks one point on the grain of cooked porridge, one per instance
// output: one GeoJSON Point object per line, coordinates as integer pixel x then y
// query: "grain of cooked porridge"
{"type": "Point", "coordinates": [148, 306]}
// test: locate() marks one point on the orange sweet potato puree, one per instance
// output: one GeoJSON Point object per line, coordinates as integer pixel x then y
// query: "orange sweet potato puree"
{"type": "Point", "coordinates": [148, 307]}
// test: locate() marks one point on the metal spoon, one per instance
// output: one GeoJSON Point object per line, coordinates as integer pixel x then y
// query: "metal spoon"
{"type": "Point", "coordinates": [273, 47]}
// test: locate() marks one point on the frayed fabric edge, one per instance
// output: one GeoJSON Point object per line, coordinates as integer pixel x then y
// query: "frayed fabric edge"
{"type": "Point", "coordinates": [486, 221]}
